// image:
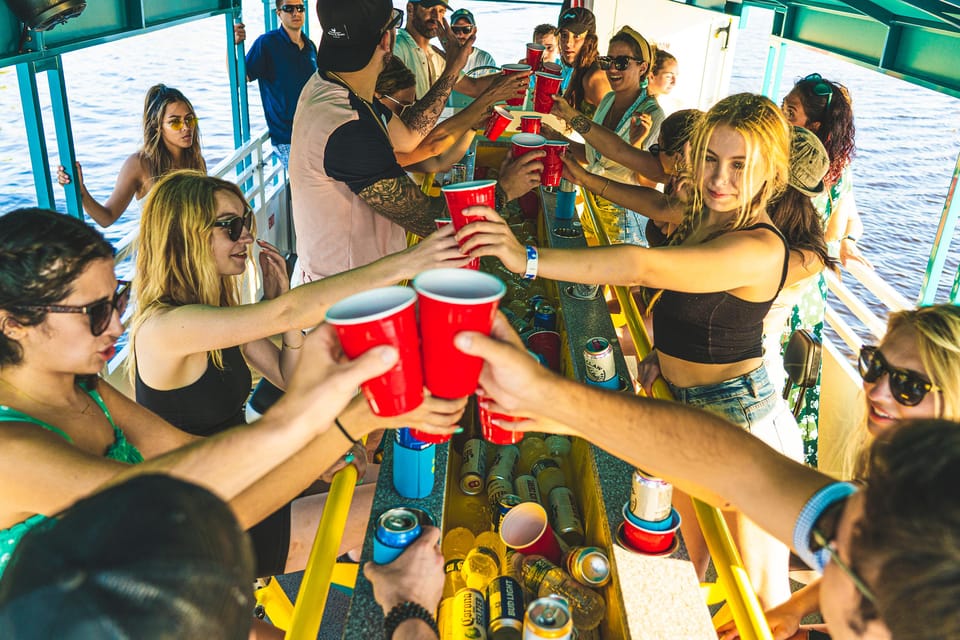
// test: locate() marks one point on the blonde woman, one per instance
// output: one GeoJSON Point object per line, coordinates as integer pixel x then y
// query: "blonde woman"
{"type": "Point", "coordinates": [914, 373]}
{"type": "Point", "coordinates": [710, 290]}
{"type": "Point", "coordinates": [192, 339]}
{"type": "Point", "coordinates": [171, 140]}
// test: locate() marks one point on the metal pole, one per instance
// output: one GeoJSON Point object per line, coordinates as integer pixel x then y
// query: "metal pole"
{"type": "Point", "coordinates": [64, 131]}
{"type": "Point", "coordinates": [941, 246]}
{"type": "Point", "coordinates": [36, 143]}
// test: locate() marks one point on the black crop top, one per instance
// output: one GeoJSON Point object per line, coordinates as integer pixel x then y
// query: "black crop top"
{"type": "Point", "coordinates": [213, 403]}
{"type": "Point", "coordinates": [713, 328]}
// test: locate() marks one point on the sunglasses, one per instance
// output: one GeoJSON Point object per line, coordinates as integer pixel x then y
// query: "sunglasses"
{"type": "Point", "coordinates": [908, 387]}
{"type": "Point", "coordinates": [236, 224]}
{"type": "Point", "coordinates": [619, 62]}
{"type": "Point", "coordinates": [462, 31]}
{"type": "Point", "coordinates": [820, 87]}
{"type": "Point", "coordinates": [190, 122]}
{"type": "Point", "coordinates": [824, 536]}
{"type": "Point", "coordinates": [292, 8]}
{"type": "Point", "coordinates": [100, 312]}
{"type": "Point", "coordinates": [396, 20]}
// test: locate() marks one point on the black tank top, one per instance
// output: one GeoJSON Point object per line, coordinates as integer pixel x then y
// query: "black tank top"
{"type": "Point", "coordinates": [213, 403]}
{"type": "Point", "coordinates": [713, 328]}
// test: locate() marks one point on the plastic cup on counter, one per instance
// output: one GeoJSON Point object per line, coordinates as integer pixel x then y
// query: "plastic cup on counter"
{"type": "Point", "coordinates": [547, 345]}
{"type": "Point", "coordinates": [508, 69]}
{"type": "Point", "coordinates": [384, 316]}
{"type": "Point", "coordinates": [451, 301]}
{"type": "Point", "coordinates": [468, 194]}
{"type": "Point", "coordinates": [546, 85]}
{"type": "Point", "coordinates": [647, 540]}
{"type": "Point", "coordinates": [498, 122]}
{"type": "Point", "coordinates": [534, 54]}
{"type": "Point", "coordinates": [552, 162]}
{"type": "Point", "coordinates": [526, 529]}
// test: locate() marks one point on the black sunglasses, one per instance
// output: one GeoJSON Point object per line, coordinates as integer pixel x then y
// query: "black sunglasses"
{"type": "Point", "coordinates": [619, 62]}
{"type": "Point", "coordinates": [396, 20]}
{"type": "Point", "coordinates": [824, 535]}
{"type": "Point", "coordinates": [908, 387]}
{"type": "Point", "coordinates": [236, 224]}
{"type": "Point", "coordinates": [462, 31]}
{"type": "Point", "coordinates": [820, 87]}
{"type": "Point", "coordinates": [293, 8]}
{"type": "Point", "coordinates": [100, 312]}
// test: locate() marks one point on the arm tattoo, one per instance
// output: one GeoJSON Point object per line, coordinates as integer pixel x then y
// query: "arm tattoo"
{"type": "Point", "coordinates": [423, 115]}
{"type": "Point", "coordinates": [402, 201]}
{"type": "Point", "coordinates": [581, 124]}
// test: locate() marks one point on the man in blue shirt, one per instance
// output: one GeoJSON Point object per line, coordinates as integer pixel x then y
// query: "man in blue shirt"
{"type": "Point", "coordinates": [281, 61]}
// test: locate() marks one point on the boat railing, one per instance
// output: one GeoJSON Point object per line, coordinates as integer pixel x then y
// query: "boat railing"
{"type": "Point", "coordinates": [889, 299]}
{"type": "Point", "coordinates": [731, 575]}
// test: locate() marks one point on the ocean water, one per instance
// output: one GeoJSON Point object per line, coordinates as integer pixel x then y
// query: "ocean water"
{"type": "Point", "coordinates": [908, 137]}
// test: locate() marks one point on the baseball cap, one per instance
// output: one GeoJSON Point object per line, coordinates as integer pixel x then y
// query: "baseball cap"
{"type": "Point", "coordinates": [577, 20]}
{"type": "Point", "coordinates": [351, 31]}
{"type": "Point", "coordinates": [462, 14]}
{"type": "Point", "coordinates": [808, 162]}
{"type": "Point", "coordinates": [154, 557]}
{"type": "Point", "coordinates": [426, 4]}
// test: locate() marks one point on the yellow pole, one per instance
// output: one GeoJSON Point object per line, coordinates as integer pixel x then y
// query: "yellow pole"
{"type": "Point", "coordinates": [308, 610]}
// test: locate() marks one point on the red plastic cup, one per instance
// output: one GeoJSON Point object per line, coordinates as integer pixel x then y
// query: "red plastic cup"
{"type": "Point", "coordinates": [552, 163]}
{"type": "Point", "coordinates": [648, 540]}
{"type": "Point", "coordinates": [468, 194]}
{"type": "Point", "coordinates": [546, 344]}
{"type": "Point", "coordinates": [516, 68]}
{"type": "Point", "coordinates": [534, 54]}
{"type": "Point", "coordinates": [383, 316]}
{"type": "Point", "coordinates": [498, 122]}
{"type": "Point", "coordinates": [530, 124]}
{"type": "Point", "coordinates": [545, 87]}
{"type": "Point", "coordinates": [522, 143]}
{"type": "Point", "coordinates": [552, 68]}
{"type": "Point", "coordinates": [451, 301]}
{"type": "Point", "coordinates": [493, 433]}
{"type": "Point", "coordinates": [525, 528]}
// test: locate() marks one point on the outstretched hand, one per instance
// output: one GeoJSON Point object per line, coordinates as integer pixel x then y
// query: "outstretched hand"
{"type": "Point", "coordinates": [492, 237]}
{"type": "Point", "coordinates": [438, 250]}
{"type": "Point", "coordinates": [417, 575]}
{"type": "Point", "coordinates": [563, 110]}
{"type": "Point", "coordinates": [520, 175]}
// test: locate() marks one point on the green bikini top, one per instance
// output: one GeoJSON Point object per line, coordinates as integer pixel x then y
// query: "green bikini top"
{"type": "Point", "coordinates": [121, 450]}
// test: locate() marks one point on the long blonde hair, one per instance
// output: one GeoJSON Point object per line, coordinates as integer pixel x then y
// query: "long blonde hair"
{"type": "Point", "coordinates": [937, 330]}
{"type": "Point", "coordinates": [154, 153]}
{"type": "Point", "coordinates": [766, 134]}
{"type": "Point", "coordinates": [175, 263]}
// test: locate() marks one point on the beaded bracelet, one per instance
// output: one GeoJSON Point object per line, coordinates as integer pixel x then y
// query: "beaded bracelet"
{"type": "Point", "coordinates": [403, 612]}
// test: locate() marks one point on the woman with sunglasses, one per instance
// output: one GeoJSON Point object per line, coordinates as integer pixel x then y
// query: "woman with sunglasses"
{"type": "Point", "coordinates": [65, 433]}
{"type": "Point", "coordinates": [913, 374]}
{"type": "Point", "coordinates": [193, 342]}
{"type": "Point", "coordinates": [709, 291]}
{"type": "Point", "coordinates": [171, 141]}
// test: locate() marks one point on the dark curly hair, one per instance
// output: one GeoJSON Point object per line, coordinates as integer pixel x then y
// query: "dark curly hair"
{"type": "Point", "coordinates": [836, 130]}
{"type": "Point", "coordinates": [42, 252]}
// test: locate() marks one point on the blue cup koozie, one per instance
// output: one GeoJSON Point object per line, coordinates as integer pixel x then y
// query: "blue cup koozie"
{"type": "Point", "coordinates": [612, 383]}
{"type": "Point", "coordinates": [566, 205]}
{"type": "Point", "coordinates": [396, 529]}
{"type": "Point", "coordinates": [413, 465]}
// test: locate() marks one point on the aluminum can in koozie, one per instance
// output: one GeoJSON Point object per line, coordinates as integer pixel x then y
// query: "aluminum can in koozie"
{"type": "Point", "coordinates": [601, 367]}
{"type": "Point", "coordinates": [396, 529]}
{"type": "Point", "coordinates": [469, 615]}
{"type": "Point", "coordinates": [548, 619]}
{"type": "Point", "coordinates": [505, 609]}
{"type": "Point", "coordinates": [527, 488]}
{"type": "Point", "coordinates": [588, 565]}
{"type": "Point", "coordinates": [650, 497]}
{"type": "Point", "coordinates": [504, 463]}
{"type": "Point", "coordinates": [565, 516]}
{"type": "Point", "coordinates": [458, 173]}
{"type": "Point", "coordinates": [504, 505]}
{"type": "Point", "coordinates": [545, 317]}
{"type": "Point", "coordinates": [496, 489]}
{"type": "Point", "coordinates": [473, 467]}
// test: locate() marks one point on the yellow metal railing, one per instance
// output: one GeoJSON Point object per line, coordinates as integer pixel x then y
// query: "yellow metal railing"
{"type": "Point", "coordinates": [732, 581]}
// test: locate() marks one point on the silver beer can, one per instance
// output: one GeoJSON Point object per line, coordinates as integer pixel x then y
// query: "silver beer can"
{"type": "Point", "coordinates": [599, 361]}
{"type": "Point", "coordinates": [650, 497]}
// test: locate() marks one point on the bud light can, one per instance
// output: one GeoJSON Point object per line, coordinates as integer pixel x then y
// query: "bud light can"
{"type": "Point", "coordinates": [496, 489]}
{"type": "Point", "coordinates": [505, 609]}
{"type": "Point", "coordinates": [601, 367]}
{"type": "Point", "coordinates": [504, 505]}
{"type": "Point", "coordinates": [396, 529]}
{"type": "Point", "coordinates": [548, 617]}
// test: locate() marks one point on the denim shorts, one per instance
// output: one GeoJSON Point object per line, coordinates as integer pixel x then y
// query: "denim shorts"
{"type": "Point", "coordinates": [752, 402]}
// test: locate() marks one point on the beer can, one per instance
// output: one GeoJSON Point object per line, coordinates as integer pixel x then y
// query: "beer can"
{"type": "Point", "coordinates": [497, 488]}
{"type": "Point", "coordinates": [504, 463]}
{"type": "Point", "coordinates": [588, 565]}
{"type": "Point", "coordinates": [650, 497]}
{"type": "Point", "coordinates": [528, 489]}
{"type": "Point", "coordinates": [469, 615]}
{"type": "Point", "coordinates": [601, 367]}
{"type": "Point", "coordinates": [545, 317]}
{"type": "Point", "coordinates": [504, 609]}
{"type": "Point", "coordinates": [548, 619]}
{"type": "Point", "coordinates": [565, 516]}
{"type": "Point", "coordinates": [558, 446]}
{"type": "Point", "coordinates": [504, 505]}
{"type": "Point", "coordinates": [473, 466]}
{"type": "Point", "coordinates": [458, 173]}
{"type": "Point", "coordinates": [396, 529]}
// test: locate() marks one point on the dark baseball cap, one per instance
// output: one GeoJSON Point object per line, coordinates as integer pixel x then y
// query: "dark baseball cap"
{"type": "Point", "coordinates": [578, 20]}
{"type": "Point", "coordinates": [351, 31]}
{"type": "Point", "coordinates": [426, 4]}
{"type": "Point", "coordinates": [462, 14]}
{"type": "Point", "coordinates": [154, 557]}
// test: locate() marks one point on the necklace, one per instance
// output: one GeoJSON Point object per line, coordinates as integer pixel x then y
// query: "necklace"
{"type": "Point", "coordinates": [20, 392]}
{"type": "Point", "coordinates": [362, 99]}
